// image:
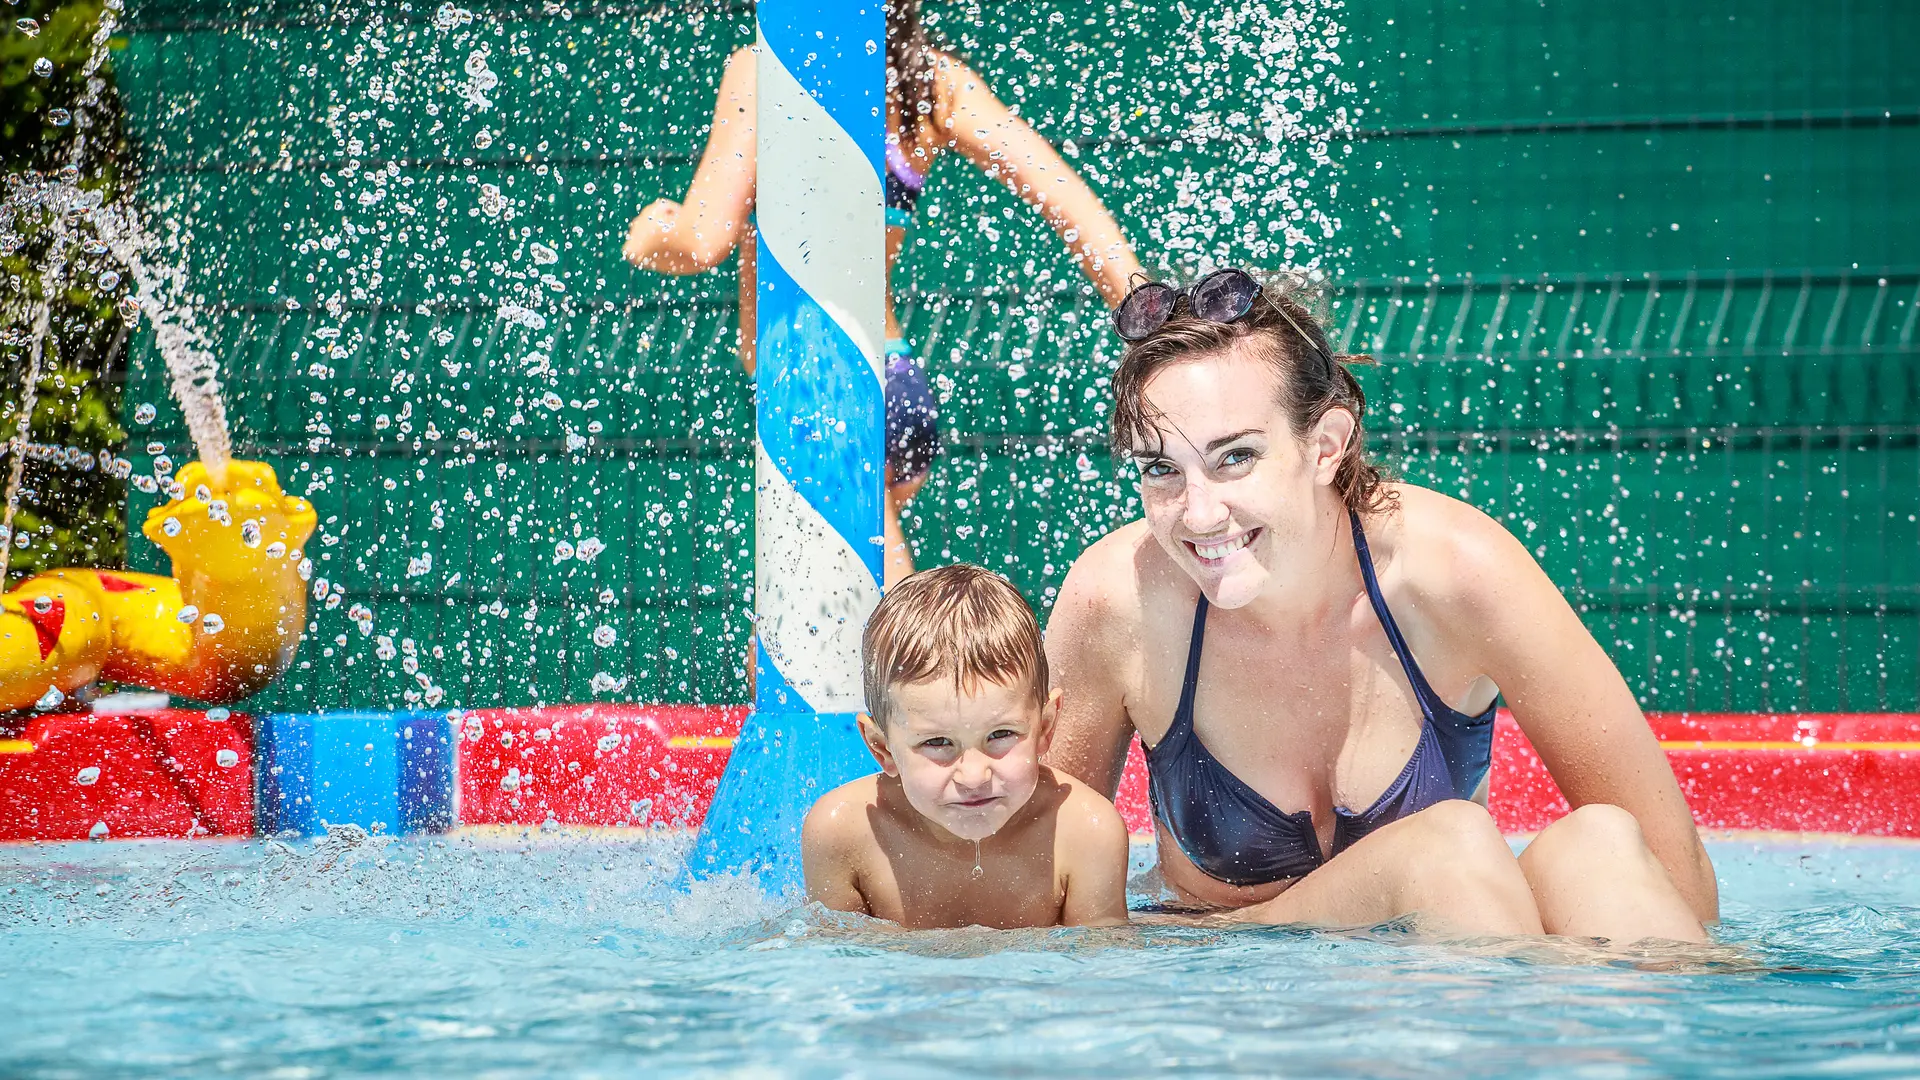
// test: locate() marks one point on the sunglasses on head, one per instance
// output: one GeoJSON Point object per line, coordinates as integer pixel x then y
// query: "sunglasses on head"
{"type": "Point", "coordinates": [1222, 296]}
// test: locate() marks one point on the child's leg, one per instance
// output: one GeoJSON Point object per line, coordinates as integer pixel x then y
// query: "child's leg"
{"type": "Point", "coordinates": [899, 556]}
{"type": "Point", "coordinates": [749, 295]}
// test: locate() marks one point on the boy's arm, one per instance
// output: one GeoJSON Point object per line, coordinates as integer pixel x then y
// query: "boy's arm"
{"type": "Point", "coordinates": [827, 860]}
{"type": "Point", "coordinates": [1094, 839]}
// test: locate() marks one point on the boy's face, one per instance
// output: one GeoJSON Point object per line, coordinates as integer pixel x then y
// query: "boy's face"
{"type": "Point", "coordinates": [968, 759]}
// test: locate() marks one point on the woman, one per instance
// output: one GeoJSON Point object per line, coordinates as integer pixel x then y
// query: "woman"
{"type": "Point", "coordinates": [1311, 655]}
{"type": "Point", "coordinates": [934, 103]}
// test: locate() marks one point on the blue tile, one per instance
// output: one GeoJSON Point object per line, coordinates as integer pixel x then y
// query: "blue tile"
{"type": "Point", "coordinates": [377, 770]}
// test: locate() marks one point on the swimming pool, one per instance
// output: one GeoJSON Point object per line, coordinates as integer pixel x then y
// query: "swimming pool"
{"type": "Point", "coordinates": [540, 955]}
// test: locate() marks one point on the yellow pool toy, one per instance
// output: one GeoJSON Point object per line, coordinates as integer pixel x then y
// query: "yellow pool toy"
{"type": "Point", "coordinates": [226, 624]}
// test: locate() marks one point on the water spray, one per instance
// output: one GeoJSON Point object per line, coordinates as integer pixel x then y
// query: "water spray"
{"type": "Point", "coordinates": [818, 449]}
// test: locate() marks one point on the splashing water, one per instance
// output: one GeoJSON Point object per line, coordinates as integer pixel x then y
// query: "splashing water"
{"type": "Point", "coordinates": [70, 211]}
{"type": "Point", "coordinates": [1265, 77]}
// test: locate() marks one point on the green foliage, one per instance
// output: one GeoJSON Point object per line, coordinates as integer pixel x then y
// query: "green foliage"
{"type": "Point", "coordinates": [71, 510]}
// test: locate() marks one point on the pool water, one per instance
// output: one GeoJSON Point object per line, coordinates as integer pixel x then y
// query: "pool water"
{"type": "Point", "coordinates": [537, 956]}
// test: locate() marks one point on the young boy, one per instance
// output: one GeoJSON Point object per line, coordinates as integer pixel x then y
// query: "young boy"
{"type": "Point", "coordinates": [963, 825]}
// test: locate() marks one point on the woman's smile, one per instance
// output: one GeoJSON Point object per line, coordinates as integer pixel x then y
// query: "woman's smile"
{"type": "Point", "coordinates": [1213, 553]}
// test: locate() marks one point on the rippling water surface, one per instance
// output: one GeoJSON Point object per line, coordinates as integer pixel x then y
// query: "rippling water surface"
{"type": "Point", "coordinates": [502, 957]}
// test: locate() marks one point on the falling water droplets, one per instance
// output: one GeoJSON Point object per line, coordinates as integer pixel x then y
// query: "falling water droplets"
{"type": "Point", "coordinates": [978, 872]}
{"type": "Point", "coordinates": [59, 117]}
{"type": "Point", "coordinates": [211, 623]}
{"type": "Point", "coordinates": [43, 67]}
{"type": "Point", "coordinates": [29, 27]}
{"type": "Point", "coordinates": [144, 414]}
{"type": "Point", "coordinates": [109, 281]}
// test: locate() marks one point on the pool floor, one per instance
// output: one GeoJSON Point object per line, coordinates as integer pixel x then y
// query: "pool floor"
{"type": "Point", "coordinates": [538, 956]}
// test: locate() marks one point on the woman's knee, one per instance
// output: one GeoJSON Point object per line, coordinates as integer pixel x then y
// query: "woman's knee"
{"type": "Point", "coordinates": [1455, 857]}
{"type": "Point", "coordinates": [1591, 834]}
{"type": "Point", "coordinates": [1459, 826]}
{"type": "Point", "coordinates": [1458, 840]}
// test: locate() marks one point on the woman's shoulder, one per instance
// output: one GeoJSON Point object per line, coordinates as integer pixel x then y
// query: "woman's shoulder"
{"type": "Point", "coordinates": [1111, 574]}
{"type": "Point", "coordinates": [1444, 549]}
{"type": "Point", "coordinates": [1116, 586]}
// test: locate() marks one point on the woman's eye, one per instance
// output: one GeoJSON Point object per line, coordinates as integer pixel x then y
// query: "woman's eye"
{"type": "Point", "coordinates": [1236, 456]}
{"type": "Point", "coordinates": [1156, 469]}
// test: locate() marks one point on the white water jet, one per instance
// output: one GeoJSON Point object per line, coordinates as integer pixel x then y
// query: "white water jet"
{"type": "Point", "coordinates": [159, 291]}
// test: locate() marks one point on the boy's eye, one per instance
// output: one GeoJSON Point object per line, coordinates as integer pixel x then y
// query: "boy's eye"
{"type": "Point", "coordinates": [937, 743]}
{"type": "Point", "coordinates": [1003, 733]}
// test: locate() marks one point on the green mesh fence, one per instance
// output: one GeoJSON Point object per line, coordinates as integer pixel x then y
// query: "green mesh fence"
{"type": "Point", "coordinates": [1643, 284]}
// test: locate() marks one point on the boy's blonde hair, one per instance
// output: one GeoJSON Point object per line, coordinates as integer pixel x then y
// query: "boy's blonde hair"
{"type": "Point", "coordinates": [963, 622]}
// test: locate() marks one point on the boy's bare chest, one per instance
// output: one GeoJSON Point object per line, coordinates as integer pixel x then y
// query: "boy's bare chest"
{"type": "Point", "coordinates": [926, 889]}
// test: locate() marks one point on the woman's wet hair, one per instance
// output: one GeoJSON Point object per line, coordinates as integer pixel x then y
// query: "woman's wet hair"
{"type": "Point", "coordinates": [1309, 384]}
{"type": "Point", "coordinates": [910, 63]}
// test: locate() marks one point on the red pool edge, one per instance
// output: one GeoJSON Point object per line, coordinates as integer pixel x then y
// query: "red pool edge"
{"type": "Point", "coordinates": [184, 773]}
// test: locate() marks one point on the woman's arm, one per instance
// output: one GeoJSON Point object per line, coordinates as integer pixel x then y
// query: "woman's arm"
{"type": "Point", "coordinates": [1085, 663]}
{"type": "Point", "coordinates": [1007, 149]}
{"type": "Point", "coordinates": [1572, 702]}
{"type": "Point", "coordinates": [694, 235]}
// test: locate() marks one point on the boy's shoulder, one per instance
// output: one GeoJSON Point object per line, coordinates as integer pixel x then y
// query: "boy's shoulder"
{"type": "Point", "coordinates": [1084, 815]}
{"type": "Point", "coordinates": [843, 816]}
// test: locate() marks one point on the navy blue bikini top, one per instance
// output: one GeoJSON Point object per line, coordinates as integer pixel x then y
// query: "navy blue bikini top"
{"type": "Point", "coordinates": [1235, 835]}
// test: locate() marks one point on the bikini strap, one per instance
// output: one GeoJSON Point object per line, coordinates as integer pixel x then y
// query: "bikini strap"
{"type": "Point", "coordinates": [1184, 714]}
{"type": "Point", "coordinates": [1421, 690]}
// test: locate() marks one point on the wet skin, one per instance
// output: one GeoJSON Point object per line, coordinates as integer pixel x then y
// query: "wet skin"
{"type": "Point", "coordinates": [1301, 696]}
{"type": "Point", "coordinates": [961, 786]}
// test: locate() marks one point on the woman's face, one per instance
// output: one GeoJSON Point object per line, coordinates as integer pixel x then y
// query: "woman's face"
{"type": "Point", "coordinates": [1230, 492]}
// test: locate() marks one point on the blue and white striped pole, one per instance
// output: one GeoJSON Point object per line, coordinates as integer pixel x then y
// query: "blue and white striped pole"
{"type": "Point", "coordinates": [819, 449]}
